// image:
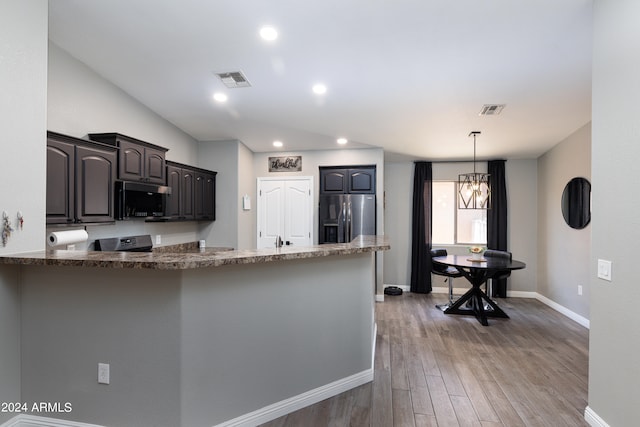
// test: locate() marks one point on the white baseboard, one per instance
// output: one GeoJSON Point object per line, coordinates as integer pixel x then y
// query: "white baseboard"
{"type": "Point", "coordinates": [300, 401]}
{"type": "Point", "coordinates": [593, 419]}
{"type": "Point", "coordinates": [561, 309]}
{"type": "Point", "coordinates": [251, 419]}
{"type": "Point", "coordinates": [523, 294]}
{"type": "Point", "coordinates": [24, 420]}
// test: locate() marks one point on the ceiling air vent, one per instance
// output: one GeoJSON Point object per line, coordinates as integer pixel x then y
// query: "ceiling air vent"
{"type": "Point", "coordinates": [234, 79]}
{"type": "Point", "coordinates": [491, 109]}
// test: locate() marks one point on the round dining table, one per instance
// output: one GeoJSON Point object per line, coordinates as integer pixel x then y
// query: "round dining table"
{"type": "Point", "coordinates": [477, 272]}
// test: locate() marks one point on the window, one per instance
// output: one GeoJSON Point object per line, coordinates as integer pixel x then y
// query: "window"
{"type": "Point", "coordinates": [451, 225]}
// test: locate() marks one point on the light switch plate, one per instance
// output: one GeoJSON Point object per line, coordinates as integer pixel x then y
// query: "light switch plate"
{"type": "Point", "coordinates": [103, 373]}
{"type": "Point", "coordinates": [604, 269]}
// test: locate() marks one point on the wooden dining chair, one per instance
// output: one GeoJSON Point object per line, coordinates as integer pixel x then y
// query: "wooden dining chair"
{"type": "Point", "coordinates": [448, 272]}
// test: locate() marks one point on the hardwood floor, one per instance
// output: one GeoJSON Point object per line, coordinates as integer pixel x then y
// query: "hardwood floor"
{"type": "Point", "coordinates": [433, 369]}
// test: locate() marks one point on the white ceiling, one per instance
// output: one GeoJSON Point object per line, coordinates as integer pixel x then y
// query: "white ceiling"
{"type": "Point", "coordinates": [407, 75]}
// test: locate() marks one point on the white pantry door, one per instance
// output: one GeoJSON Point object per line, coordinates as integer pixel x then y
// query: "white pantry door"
{"type": "Point", "coordinates": [285, 209]}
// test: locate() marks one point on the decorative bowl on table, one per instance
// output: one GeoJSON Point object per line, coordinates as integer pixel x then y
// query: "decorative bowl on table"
{"type": "Point", "coordinates": [476, 252]}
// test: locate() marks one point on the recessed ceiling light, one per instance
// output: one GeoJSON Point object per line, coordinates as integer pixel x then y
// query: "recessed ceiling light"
{"type": "Point", "coordinates": [220, 97]}
{"type": "Point", "coordinates": [342, 141]}
{"type": "Point", "coordinates": [268, 33]}
{"type": "Point", "coordinates": [277, 143]}
{"type": "Point", "coordinates": [319, 89]}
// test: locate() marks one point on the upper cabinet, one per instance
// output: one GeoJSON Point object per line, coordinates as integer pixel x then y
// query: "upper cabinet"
{"type": "Point", "coordinates": [193, 193]}
{"type": "Point", "coordinates": [348, 180]}
{"type": "Point", "coordinates": [80, 180]}
{"type": "Point", "coordinates": [205, 195]}
{"type": "Point", "coordinates": [137, 160]}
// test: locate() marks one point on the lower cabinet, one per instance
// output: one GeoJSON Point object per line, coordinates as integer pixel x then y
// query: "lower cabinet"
{"type": "Point", "coordinates": [193, 193]}
{"type": "Point", "coordinates": [80, 180]}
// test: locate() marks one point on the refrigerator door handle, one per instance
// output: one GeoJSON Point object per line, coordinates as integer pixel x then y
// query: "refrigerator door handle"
{"type": "Point", "coordinates": [348, 231]}
{"type": "Point", "coordinates": [341, 239]}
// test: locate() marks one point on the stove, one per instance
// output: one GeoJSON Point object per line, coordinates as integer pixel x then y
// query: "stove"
{"type": "Point", "coordinates": [126, 244]}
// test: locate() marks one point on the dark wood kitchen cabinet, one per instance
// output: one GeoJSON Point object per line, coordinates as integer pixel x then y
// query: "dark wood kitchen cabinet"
{"type": "Point", "coordinates": [80, 180]}
{"type": "Point", "coordinates": [60, 181]}
{"type": "Point", "coordinates": [193, 192]}
{"type": "Point", "coordinates": [205, 195]}
{"type": "Point", "coordinates": [348, 180]}
{"type": "Point", "coordinates": [137, 160]}
{"type": "Point", "coordinates": [180, 203]}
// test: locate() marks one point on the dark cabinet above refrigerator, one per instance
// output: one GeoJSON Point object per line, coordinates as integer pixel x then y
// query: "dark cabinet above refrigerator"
{"type": "Point", "coordinates": [348, 180]}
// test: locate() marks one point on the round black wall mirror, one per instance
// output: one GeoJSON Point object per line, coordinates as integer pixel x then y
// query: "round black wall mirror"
{"type": "Point", "coordinates": [576, 203]}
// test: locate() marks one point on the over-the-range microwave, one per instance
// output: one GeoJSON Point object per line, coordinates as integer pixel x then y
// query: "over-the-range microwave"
{"type": "Point", "coordinates": [140, 200]}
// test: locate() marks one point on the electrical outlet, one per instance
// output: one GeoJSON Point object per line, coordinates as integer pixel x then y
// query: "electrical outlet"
{"type": "Point", "coordinates": [579, 289]}
{"type": "Point", "coordinates": [158, 239]}
{"type": "Point", "coordinates": [103, 373]}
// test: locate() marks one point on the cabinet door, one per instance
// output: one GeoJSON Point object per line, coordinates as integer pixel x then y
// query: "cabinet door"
{"type": "Point", "coordinates": [95, 177]}
{"type": "Point", "coordinates": [362, 181]}
{"type": "Point", "coordinates": [131, 162]}
{"type": "Point", "coordinates": [187, 192]}
{"type": "Point", "coordinates": [333, 181]}
{"type": "Point", "coordinates": [60, 182]}
{"type": "Point", "coordinates": [209, 197]}
{"type": "Point", "coordinates": [174, 180]}
{"type": "Point", "coordinates": [205, 194]}
{"type": "Point", "coordinates": [154, 166]}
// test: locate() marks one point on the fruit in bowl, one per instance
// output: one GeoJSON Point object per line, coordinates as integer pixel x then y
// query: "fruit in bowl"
{"type": "Point", "coordinates": [476, 251]}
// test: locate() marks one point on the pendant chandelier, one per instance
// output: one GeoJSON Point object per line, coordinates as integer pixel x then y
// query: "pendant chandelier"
{"type": "Point", "coordinates": [473, 188]}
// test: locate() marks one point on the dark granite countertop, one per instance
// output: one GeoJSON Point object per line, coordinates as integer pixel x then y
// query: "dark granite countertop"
{"type": "Point", "coordinates": [188, 258]}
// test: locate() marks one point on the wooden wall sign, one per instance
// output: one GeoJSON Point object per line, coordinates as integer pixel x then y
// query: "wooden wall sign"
{"type": "Point", "coordinates": [285, 164]}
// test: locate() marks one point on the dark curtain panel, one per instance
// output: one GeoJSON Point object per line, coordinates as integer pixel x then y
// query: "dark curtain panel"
{"type": "Point", "coordinates": [497, 218]}
{"type": "Point", "coordinates": [421, 229]}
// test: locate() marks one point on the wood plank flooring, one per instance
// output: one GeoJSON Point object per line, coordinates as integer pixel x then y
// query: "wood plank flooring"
{"type": "Point", "coordinates": [433, 369]}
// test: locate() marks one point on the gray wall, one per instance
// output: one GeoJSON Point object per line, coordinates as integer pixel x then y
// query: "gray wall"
{"type": "Point", "coordinates": [73, 319]}
{"type": "Point", "coordinates": [233, 161]}
{"type": "Point", "coordinates": [398, 187]}
{"type": "Point", "coordinates": [522, 240]}
{"type": "Point", "coordinates": [222, 157]}
{"type": "Point", "coordinates": [257, 334]}
{"type": "Point", "coordinates": [563, 252]}
{"type": "Point", "coordinates": [80, 102]}
{"type": "Point", "coordinates": [614, 343]}
{"type": "Point", "coordinates": [23, 107]}
{"type": "Point", "coordinates": [190, 348]}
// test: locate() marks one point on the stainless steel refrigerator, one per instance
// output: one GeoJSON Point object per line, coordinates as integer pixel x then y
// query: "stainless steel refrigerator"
{"type": "Point", "coordinates": [346, 216]}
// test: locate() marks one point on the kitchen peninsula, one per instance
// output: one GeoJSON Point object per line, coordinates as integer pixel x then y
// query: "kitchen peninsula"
{"type": "Point", "coordinates": [196, 338]}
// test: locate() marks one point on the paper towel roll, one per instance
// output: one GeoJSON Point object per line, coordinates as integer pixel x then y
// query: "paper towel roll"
{"type": "Point", "coordinates": [70, 237]}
